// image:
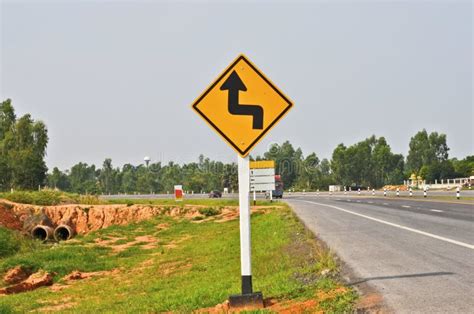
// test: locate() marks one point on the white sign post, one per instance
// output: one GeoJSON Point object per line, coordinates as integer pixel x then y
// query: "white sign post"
{"type": "Point", "coordinates": [244, 206]}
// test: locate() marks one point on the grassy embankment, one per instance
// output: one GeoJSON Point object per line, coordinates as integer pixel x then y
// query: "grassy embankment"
{"type": "Point", "coordinates": [187, 266]}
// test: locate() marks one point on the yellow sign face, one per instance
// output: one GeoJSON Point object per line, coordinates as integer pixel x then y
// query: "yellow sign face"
{"type": "Point", "coordinates": [242, 105]}
{"type": "Point", "coordinates": [262, 164]}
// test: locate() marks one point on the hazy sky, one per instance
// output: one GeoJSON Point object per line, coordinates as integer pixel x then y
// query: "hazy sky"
{"type": "Point", "coordinates": [116, 79]}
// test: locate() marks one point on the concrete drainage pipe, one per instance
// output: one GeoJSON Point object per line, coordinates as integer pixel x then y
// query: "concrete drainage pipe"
{"type": "Point", "coordinates": [42, 232]}
{"type": "Point", "coordinates": [63, 233]}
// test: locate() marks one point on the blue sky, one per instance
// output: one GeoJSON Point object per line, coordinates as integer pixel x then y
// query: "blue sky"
{"type": "Point", "coordinates": [116, 79]}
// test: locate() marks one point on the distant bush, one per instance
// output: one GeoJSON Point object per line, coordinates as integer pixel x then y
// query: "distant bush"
{"type": "Point", "coordinates": [90, 200]}
{"type": "Point", "coordinates": [37, 198]}
{"type": "Point", "coordinates": [9, 242]}
{"type": "Point", "coordinates": [209, 211]}
{"type": "Point", "coordinates": [50, 197]}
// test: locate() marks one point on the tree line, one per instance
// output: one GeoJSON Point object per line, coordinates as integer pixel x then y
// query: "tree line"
{"type": "Point", "coordinates": [369, 162]}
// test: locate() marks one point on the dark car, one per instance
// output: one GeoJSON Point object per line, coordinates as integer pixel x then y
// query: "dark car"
{"type": "Point", "coordinates": [215, 194]}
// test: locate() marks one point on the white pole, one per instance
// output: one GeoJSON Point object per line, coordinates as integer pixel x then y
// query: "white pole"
{"type": "Point", "coordinates": [384, 192]}
{"type": "Point", "coordinates": [254, 197]}
{"type": "Point", "coordinates": [271, 196]}
{"type": "Point", "coordinates": [458, 193]}
{"type": "Point", "coordinates": [244, 206]}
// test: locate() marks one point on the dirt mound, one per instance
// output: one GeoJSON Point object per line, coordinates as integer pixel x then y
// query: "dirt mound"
{"type": "Point", "coordinates": [16, 275]}
{"type": "Point", "coordinates": [283, 306]}
{"type": "Point", "coordinates": [271, 305]}
{"type": "Point", "coordinates": [36, 280]}
{"type": "Point", "coordinates": [78, 275]}
{"type": "Point", "coordinates": [85, 218]}
{"type": "Point", "coordinates": [395, 187]}
{"type": "Point", "coordinates": [8, 218]}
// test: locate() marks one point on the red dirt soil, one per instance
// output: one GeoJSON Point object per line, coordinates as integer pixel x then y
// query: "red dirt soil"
{"type": "Point", "coordinates": [16, 275]}
{"type": "Point", "coordinates": [36, 280]}
{"type": "Point", "coordinates": [86, 218]}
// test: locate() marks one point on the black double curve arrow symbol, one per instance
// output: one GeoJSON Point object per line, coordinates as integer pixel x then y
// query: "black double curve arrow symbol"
{"type": "Point", "coordinates": [234, 84]}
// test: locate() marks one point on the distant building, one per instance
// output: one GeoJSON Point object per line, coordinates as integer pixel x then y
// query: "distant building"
{"type": "Point", "coordinates": [335, 188]}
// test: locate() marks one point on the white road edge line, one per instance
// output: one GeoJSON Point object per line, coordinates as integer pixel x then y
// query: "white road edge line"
{"type": "Point", "coordinates": [431, 235]}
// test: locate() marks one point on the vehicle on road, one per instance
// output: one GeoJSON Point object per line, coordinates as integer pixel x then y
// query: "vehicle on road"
{"type": "Point", "coordinates": [278, 192]}
{"type": "Point", "coordinates": [215, 194]}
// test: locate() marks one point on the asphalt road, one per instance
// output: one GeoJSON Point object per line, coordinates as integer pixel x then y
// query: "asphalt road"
{"type": "Point", "coordinates": [416, 194]}
{"type": "Point", "coordinates": [418, 254]}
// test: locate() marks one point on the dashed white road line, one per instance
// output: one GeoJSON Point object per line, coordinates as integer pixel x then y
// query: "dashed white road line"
{"type": "Point", "coordinates": [386, 204]}
{"type": "Point", "coordinates": [431, 235]}
{"type": "Point", "coordinates": [406, 206]}
{"type": "Point", "coordinates": [370, 202]}
{"type": "Point", "coordinates": [437, 210]}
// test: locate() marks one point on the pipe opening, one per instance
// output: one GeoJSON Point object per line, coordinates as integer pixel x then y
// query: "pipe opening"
{"type": "Point", "coordinates": [63, 233]}
{"type": "Point", "coordinates": [40, 233]}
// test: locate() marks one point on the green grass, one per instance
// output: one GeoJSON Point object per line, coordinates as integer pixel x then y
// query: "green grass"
{"type": "Point", "coordinates": [49, 197]}
{"type": "Point", "coordinates": [9, 242]}
{"type": "Point", "coordinates": [172, 202]}
{"type": "Point", "coordinates": [201, 270]}
{"type": "Point", "coordinates": [13, 243]}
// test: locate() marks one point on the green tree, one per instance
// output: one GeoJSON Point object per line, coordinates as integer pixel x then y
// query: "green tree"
{"type": "Point", "coordinates": [308, 173]}
{"type": "Point", "coordinates": [426, 150]}
{"type": "Point", "coordinates": [129, 179]}
{"type": "Point", "coordinates": [339, 165]}
{"type": "Point", "coordinates": [367, 163]}
{"type": "Point", "coordinates": [58, 179]}
{"type": "Point", "coordinates": [464, 167]}
{"type": "Point", "coordinates": [84, 179]}
{"type": "Point", "coordinates": [23, 144]}
{"type": "Point", "coordinates": [286, 161]}
{"type": "Point", "coordinates": [109, 178]}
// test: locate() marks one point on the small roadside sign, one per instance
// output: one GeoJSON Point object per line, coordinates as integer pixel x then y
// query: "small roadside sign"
{"type": "Point", "coordinates": [262, 176]}
{"type": "Point", "coordinates": [242, 105]}
{"type": "Point", "coordinates": [178, 192]}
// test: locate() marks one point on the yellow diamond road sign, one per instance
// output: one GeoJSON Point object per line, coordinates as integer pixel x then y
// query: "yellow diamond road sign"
{"type": "Point", "coordinates": [242, 105]}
